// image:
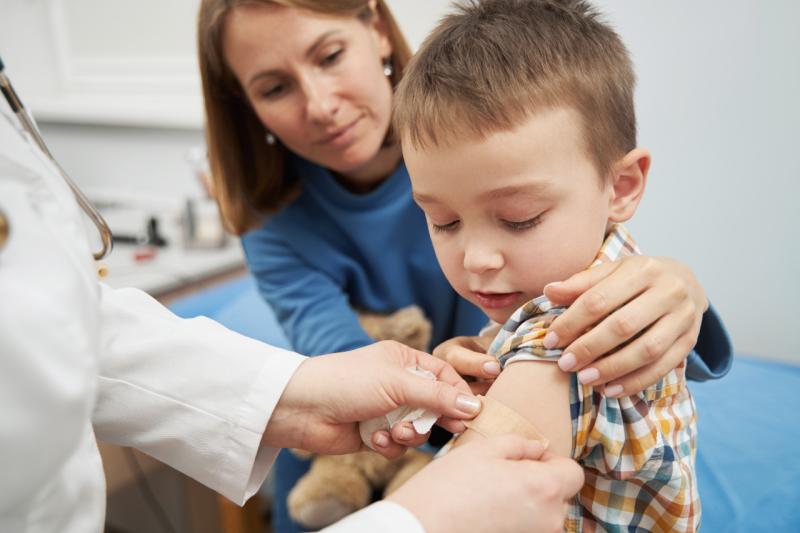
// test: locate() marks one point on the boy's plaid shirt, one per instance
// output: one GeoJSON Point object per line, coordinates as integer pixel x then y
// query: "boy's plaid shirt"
{"type": "Point", "coordinates": [637, 452]}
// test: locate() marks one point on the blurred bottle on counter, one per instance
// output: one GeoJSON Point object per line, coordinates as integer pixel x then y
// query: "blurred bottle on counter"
{"type": "Point", "coordinates": [201, 222]}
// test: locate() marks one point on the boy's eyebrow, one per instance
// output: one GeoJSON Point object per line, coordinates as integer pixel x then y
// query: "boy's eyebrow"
{"type": "Point", "coordinates": [309, 52]}
{"type": "Point", "coordinates": [423, 198]}
{"type": "Point", "coordinates": [532, 189]}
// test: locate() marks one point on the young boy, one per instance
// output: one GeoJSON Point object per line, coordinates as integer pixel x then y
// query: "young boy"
{"type": "Point", "coordinates": [518, 129]}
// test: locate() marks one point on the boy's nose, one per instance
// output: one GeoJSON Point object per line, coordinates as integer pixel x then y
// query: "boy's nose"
{"type": "Point", "coordinates": [480, 258]}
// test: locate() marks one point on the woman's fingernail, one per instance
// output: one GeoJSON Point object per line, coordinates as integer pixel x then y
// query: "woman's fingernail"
{"type": "Point", "coordinates": [406, 433]}
{"type": "Point", "coordinates": [380, 440]}
{"type": "Point", "coordinates": [588, 375]}
{"type": "Point", "coordinates": [566, 362]}
{"type": "Point", "coordinates": [491, 367]}
{"type": "Point", "coordinates": [613, 391]}
{"type": "Point", "coordinates": [550, 340]}
{"type": "Point", "coordinates": [468, 404]}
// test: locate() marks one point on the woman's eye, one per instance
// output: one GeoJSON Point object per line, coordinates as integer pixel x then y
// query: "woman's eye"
{"type": "Point", "coordinates": [273, 91]}
{"type": "Point", "coordinates": [444, 228]}
{"type": "Point", "coordinates": [524, 224]}
{"type": "Point", "coordinates": [331, 59]}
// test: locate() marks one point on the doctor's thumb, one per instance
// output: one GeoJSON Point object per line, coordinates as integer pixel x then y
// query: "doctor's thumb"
{"type": "Point", "coordinates": [440, 397]}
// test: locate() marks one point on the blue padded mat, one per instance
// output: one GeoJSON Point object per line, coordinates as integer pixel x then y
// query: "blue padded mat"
{"type": "Point", "coordinates": [237, 305]}
{"type": "Point", "coordinates": [748, 466]}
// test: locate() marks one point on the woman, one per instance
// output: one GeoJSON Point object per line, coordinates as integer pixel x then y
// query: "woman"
{"type": "Point", "coordinates": [298, 101]}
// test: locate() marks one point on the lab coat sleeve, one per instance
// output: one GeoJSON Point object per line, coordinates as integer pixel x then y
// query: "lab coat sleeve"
{"type": "Point", "coordinates": [383, 516]}
{"type": "Point", "coordinates": [190, 393]}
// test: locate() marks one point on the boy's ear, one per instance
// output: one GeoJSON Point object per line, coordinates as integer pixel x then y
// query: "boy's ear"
{"type": "Point", "coordinates": [629, 176]}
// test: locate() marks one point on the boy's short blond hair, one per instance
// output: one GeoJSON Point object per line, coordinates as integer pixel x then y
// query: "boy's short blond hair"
{"type": "Point", "coordinates": [491, 64]}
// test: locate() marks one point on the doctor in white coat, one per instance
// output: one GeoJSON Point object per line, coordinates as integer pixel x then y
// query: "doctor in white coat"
{"type": "Point", "coordinates": [79, 360]}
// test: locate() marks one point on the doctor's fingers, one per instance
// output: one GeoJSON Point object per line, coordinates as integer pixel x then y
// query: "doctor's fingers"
{"type": "Point", "coordinates": [536, 476]}
{"type": "Point", "coordinates": [550, 482]}
{"type": "Point", "coordinates": [384, 444]}
{"type": "Point", "coordinates": [561, 474]}
{"type": "Point", "coordinates": [443, 371]}
{"type": "Point", "coordinates": [437, 396]}
{"type": "Point", "coordinates": [404, 433]}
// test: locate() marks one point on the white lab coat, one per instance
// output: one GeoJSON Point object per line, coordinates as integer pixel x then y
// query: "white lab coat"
{"type": "Point", "coordinates": [79, 359]}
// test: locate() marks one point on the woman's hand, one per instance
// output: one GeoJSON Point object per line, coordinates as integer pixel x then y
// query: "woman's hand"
{"type": "Point", "coordinates": [499, 484]}
{"type": "Point", "coordinates": [328, 395]}
{"type": "Point", "coordinates": [647, 313]}
{"type": "Point", "coordinates": [468, 356]}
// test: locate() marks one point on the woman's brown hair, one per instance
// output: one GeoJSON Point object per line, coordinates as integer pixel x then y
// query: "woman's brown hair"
{"type": "Point", "coordinates": [248, 174]}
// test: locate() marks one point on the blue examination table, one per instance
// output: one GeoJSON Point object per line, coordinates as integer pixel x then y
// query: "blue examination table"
{"type": "Point", "coordinates": [748, 463]}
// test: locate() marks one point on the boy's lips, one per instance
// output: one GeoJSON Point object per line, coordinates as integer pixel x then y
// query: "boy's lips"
{"type": "Point", "coordinates": [495, 300]}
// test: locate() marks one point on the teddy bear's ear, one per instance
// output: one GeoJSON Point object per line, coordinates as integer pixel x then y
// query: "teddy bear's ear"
{"type": "Point", "coordinates": [407, 325]}
{"type": "Point", "coordinates": [410, 327]}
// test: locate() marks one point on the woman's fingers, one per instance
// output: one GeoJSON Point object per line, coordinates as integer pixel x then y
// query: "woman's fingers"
{"type": "Point", "coordinates": [567, 291]}
{"type": "Point", "coordinates": [612, 285]}
{"type": "Point", "coordinates": [622, 326]}
{"type": "Point", "coordinates": [443, 371]}
{"type": "Point", "coordinates": [648, 375]}
{"type": "Point", "coordinates": [662, 347]}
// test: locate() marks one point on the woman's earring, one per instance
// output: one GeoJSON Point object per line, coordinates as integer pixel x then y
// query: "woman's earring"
{"type": "Point", "coordinates": [270, 138]}
{"type": "Point", "coordinates": [387, 67]}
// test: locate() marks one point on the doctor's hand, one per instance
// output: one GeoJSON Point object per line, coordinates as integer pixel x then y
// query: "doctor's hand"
{"type": "Point", "coordinates": [328, 395]}
{"type": "Point", "coordinates": [498, 484]}
{"type": "Point", "coordinates": [644, 312]}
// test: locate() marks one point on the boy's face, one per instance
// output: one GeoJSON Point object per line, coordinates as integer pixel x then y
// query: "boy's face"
{"type": "Point", "coordinates": [513, 212]}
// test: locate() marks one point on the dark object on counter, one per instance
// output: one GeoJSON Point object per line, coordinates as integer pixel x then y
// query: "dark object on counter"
{"type": "Point", "coordinates": [151, 237]}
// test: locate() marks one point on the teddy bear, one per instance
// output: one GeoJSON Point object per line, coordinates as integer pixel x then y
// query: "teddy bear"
{"type": "Point", "coordinates": [337, 485]}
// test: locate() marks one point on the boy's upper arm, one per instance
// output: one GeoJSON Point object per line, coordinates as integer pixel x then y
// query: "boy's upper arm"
{"type": "Point", "coordinates": [539, 392]}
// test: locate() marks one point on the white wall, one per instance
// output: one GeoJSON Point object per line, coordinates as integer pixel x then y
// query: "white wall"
{"type": "Point", "coordinates": [718, 107]}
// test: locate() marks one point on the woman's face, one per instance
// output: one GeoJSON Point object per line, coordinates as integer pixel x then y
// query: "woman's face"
{"type": "Point", "coordinates": [315, 81]}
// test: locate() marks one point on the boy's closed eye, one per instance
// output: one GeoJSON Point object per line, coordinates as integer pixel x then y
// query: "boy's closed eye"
{"type": "Point", "coordinates": [446, 227]}
{"type": "Point", "coordinates": [523, 224]}
{"type": "Point", "coordinates": [512, 225]}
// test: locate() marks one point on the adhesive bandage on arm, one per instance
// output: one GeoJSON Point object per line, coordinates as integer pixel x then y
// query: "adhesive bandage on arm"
{"type": "Point", "coordinates": [496, 418]}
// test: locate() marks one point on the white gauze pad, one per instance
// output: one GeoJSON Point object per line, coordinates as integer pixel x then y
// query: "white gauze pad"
{"type": "Point", "coordinates": [421, 419]}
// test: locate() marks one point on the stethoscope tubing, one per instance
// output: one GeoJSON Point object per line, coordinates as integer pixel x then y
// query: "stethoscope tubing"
{"type": "Point", "coordinates": [30, 127]}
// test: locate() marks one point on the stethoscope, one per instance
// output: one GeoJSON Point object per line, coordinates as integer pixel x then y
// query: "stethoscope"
{"type": "Point", "coordinates": [30, 127]}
